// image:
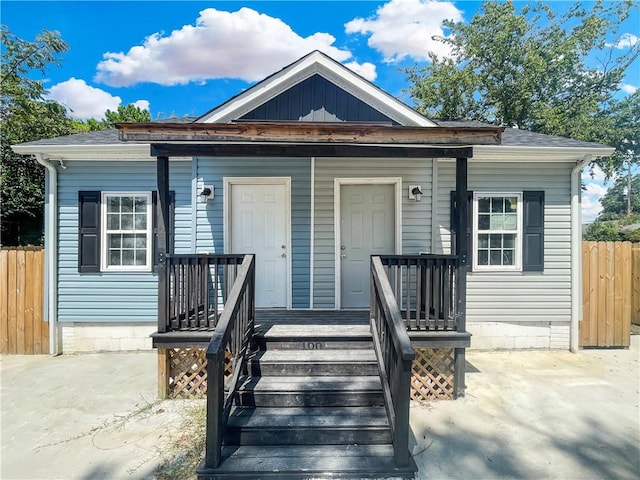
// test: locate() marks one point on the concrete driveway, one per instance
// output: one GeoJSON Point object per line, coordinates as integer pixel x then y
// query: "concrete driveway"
{"type": "Point", "coordinates": [529, 414]}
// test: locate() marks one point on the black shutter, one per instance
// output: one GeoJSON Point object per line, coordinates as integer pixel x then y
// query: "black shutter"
{"type": "Point", "coordinates": [454, 224]}
{"type": "Point", "coordinates": [88, 231]}
{"type": "Point", "coordinates": [172, 215]}
{"type": "Point", "coordinates": [533, 234]}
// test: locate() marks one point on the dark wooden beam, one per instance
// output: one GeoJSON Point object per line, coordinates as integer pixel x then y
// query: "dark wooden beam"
{"type": "Point", "coordinates": [307, 132]}
{"type": "Point", "coordinates": [162, 172]}
{"type": "Point", "coordinates": [306, 150]}
{"type": "Point", "coordinates": [462, 251]}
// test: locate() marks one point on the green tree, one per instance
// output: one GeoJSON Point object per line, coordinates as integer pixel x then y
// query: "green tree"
{"type": "Point", "coordinates": [123, 114]}
{"type": "Point", "coordinates": [531, 69]}
{"type": "Point", "coordinates": [26, 116]}
{"type": "Point", "coordinates": [614, 202]}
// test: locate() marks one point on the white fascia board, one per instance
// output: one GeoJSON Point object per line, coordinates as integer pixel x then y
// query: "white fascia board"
{"type": "Point", "coordinates": [279, 82]}
{"type": "Point", "coordinates": [116, 152]}
{"type": "Point", "coordinates": [499, 153]}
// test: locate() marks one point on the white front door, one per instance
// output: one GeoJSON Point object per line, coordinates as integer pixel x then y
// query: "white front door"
{"type": "Point", "coordinates": [258, 214]}
{"type": "Point", "coordinates": [367, 227]}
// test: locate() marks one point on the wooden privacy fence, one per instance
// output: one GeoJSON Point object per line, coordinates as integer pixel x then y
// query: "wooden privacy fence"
{"type": "Point", "coordinates": [610, 293]}
{"type": "Point", "coordinates": [22, 329]}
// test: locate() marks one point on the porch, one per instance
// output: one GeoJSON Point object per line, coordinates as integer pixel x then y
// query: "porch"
{"type": "Point", "coordinates": [281, 379]}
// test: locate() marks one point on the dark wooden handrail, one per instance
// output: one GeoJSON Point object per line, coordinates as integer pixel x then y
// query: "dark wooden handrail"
{"type": "Point", "coordinates": [198, 285]}
{"type": "Point", "coordinates": [395, 356]}
{"type": "Point", "coordinates": [424, 287]}
{"type": "Point", "coordinates": [233, 336]}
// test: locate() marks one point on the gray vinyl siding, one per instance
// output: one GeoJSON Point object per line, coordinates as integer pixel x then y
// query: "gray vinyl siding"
{"type": "Point", "coordinates": [518, 296]}
{"type": "Point", "coordinates": [112, 297]}
{"type": "Point", "coordinates": [416, 217]}
{"type": "Point", "coordinates": [209, 216]}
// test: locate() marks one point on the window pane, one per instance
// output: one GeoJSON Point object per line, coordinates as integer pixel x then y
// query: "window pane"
{"type": "Point", "coordinates": [483, 241]}
{"type": "Point", "coordinates": [127, 204]}
{"type": "Point", "coordinates": [128, 241]}
{"type": "Point", "coordinates": [497, 221]}
{"type": "Point", "coordinates": [495, 257]}
{"type": "Point", "coordinates": [509, 240]}
{"type": "Point", "coordinates": [510, 221]}
{"type": "Point", "coordinates": [114, 257]}
{"type": "Point", "coordinates": [511, 204]}
{"type": "Point", "coordinates": [508, 257]}
{"type": "Point", "coordinates": [141, 204]}
{"type": "Point", "coordinates": [495, 241]}
{"type": "Point", "coordinates": [141, 257]}
{"type": "Point", "coordinates": [484, 205]}
{"type": "Point", "coordinates": [113, 204]}
{"type": "Point", "coordinates": [127, 257]}
{"type": "Point", "coordinates": [483, 257]}
{"type": "Point", "coordinates": [141, 221]}
{"type": "Point", "coordinates": [141, 241]}
{"type": "Point", "coordinates": [484, 222]}
{"type": "Point", "coordinates": [113, 221]}
{"type": "Point", "coordinates": [115, 241]}
{"type": "Point", "coordinates": [126, 221]}
{"type": "Point", "coordinates": [496, 205]}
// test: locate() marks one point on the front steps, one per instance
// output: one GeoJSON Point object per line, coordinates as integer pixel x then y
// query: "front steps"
{"type": "Point", "coordinates": [310, 407]}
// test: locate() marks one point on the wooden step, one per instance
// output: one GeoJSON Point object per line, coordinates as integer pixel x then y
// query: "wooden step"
{"type": "Point", "coordinates": [313, 362]}
{"type": "Point", "coordinates": [314, 337]}
{"type": "Point", "coordinates": [310, 391]}
{"type": "Point", "coordinates": [308, 461]}
{"type": "Point", "coordinates": [308, 426]}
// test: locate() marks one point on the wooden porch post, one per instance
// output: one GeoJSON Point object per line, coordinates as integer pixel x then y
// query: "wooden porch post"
{"type": "Point", "coordinates": [163, 241]}
{"type": "Point", "coordinates": [462, 251]}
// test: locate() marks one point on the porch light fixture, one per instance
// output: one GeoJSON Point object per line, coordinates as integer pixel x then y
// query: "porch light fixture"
{"type": "Point", "coordinates": [415, 192]}
{"type": "Point", "coordinates": [206, 194]}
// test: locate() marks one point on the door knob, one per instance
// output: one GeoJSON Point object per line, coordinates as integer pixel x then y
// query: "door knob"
{"type": "Point", "coordinates": [343, 256]}
{"type": "Point", "coordinates": [283, 255]}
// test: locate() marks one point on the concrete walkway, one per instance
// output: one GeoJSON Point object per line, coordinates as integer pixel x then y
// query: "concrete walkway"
{"type": "Point", "coordinates": [532, 414]}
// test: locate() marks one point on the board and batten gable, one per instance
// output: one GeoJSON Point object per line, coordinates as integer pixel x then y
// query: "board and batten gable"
{"type": "Point", "coordinates": [113, 297]}
{"type": "Point", "coordinates": [416, 216]}
{"type": "Point", "coordinates": [210, 215]}
{"type": "Point", "coordinates": [538, 299]}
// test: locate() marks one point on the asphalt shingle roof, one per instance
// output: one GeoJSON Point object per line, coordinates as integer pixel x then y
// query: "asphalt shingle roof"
{"type": "Point", "coordinates": [511, 137]}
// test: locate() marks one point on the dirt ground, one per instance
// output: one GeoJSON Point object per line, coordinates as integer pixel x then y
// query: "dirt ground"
{"type": "Point", "coordinates": [527, 414]}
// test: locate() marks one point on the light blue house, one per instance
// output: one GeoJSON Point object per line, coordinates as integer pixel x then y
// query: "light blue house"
{"type": "Point", "coordinates": [313, 169]}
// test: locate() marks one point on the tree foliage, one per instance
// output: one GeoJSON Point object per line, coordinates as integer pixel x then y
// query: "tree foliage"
{"type": "Point", "coordinates": [123, 114]}
{"type": "Point", "coordinates": [614, 202]}
{"type": "Point", "coordinates": [26, 116]}
{"type": "Point", "coordinates": [533, 69]}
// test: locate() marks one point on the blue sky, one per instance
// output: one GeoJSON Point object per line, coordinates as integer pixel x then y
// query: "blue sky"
{"type": "Point", "coordinates": [183, 58]}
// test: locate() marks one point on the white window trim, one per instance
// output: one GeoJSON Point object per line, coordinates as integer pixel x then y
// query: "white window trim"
{"type": "Point", "coordinates": [103, 234]}
{"type": "Point", "coordinates": [519, 240]}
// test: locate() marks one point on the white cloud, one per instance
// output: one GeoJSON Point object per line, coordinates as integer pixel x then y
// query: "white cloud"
{"type": "Point", "coordinates": [404, 28]}
{"type": "Point", "coordinates": [591, 201]}
{"type": "Point", "coordinates": [142, 104]}
{"type": "Point", "coordinates": [626, 40]}
{"type": "Point", "coordinates": [366, 70]}
{"type": "Point", "coordinates": [245, 45]}
{"type": "Point", "coordinates": [628, 88]}
{"type": "Point", "coordinates": [83, 101]}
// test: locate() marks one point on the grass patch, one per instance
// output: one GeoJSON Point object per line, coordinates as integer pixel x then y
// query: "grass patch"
{"type": "Point", "coordinates": [188, 447]}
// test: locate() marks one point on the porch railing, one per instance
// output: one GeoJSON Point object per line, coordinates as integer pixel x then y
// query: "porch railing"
{"type": "Point", "coordinates": [232, 338]}
{"type": "Point", "coordinates": [395, 356]}
{"type": "Point", "coordinates": [198, 286]}
{"type": "Point", "coordinates": [424, 289]}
